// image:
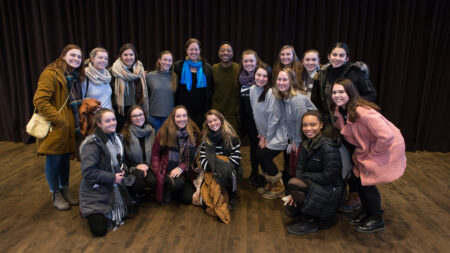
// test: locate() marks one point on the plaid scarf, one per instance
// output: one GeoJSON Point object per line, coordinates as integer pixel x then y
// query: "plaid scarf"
{"type": "Point", "coordinates": [182, 153]}
{"type": "Point", "coordinates": [74, 101]}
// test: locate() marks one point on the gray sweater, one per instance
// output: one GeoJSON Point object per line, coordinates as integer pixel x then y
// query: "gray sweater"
{"type": "Point", "coordinates": [293, 111]}
{"type": "Point", "coordinates": [268, 118]}
{"type": "Point", "coordinates": [161, 99]}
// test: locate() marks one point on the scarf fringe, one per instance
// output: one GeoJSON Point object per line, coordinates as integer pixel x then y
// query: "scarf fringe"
{"type": "Point", "coordinates": [119, 210]}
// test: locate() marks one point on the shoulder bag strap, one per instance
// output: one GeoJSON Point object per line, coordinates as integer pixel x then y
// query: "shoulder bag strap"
{"type": "Point", "coordinates": [67, 99]}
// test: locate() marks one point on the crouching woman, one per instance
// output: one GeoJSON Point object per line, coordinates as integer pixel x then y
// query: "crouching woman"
{"type": "Point", "coordinates": [173, 157]}
{"type": "Point", "coordinates": [104, 198]}
{"type": "Point", "coordinates": [220, 158]}
{"type": "Point", "coordinates": [318, 186]}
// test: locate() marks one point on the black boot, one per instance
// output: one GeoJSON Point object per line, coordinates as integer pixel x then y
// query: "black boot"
{"type": "Point", "coordinates": [371, 224]}
{"type": "Point", "coordinates": [358, 219]}
{"type": "Point", "coordinates": [303, 227]}
{"type": "Point", "coordinates": [256, 179]}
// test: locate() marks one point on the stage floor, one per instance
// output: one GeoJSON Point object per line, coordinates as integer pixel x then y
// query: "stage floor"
{"type": "Point", "coordinates": [416, 211]}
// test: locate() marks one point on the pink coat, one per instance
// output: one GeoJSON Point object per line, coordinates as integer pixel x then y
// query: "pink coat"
{"type": "Point", "coordinates": [379, 155]}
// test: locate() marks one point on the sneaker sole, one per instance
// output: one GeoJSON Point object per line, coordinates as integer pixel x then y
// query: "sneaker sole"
{"type": "Point", "coordinates": [371, 231]}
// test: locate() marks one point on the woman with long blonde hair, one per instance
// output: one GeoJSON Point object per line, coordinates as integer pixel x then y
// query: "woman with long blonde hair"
{"type": "Point", "coordinates": [220, 158]}
{"type": "Point", "coordinates": [295, 104]}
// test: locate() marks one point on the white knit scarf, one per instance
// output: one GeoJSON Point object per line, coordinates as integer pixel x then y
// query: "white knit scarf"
{"type": "Point", "coordinates": [97, 77]}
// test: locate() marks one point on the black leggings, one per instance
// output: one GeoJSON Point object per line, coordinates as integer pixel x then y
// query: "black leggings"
{"type": "Point", "coordinates": [183, 189]}
{"type": "Point", "coordinates": [265, 157]}
{"type": "Point", "coordinates": [98, 224]}
{"type": "Point", "coordinates": [298, 188]}
{"type": "Point", "coordinates": [249, 128]}
{"type": "Point", "coordinates": [369, 196]}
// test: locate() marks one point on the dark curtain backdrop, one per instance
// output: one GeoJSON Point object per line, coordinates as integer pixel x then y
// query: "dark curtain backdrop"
{"type": "Point", "coordinates": [405, 44]}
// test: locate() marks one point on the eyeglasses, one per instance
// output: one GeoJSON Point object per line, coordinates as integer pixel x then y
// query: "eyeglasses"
{"type": "Point", "coordinates": [137, 115]}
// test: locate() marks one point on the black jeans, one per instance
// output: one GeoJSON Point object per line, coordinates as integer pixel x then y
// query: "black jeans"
{"type": "Point", "coordinates": [142, 181]}
{"type": "Point", "coordinates": [265, 157]}
{"type": "Point", "coordinates": [369, 196]}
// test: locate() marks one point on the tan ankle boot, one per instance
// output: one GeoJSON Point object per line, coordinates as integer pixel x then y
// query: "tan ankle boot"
{"type": "Point", "coordinates": [68, 199]}
{"type": "Point", "coordinates": [277, 187]}
{"type": "Point", "coordinates": [59, 202]}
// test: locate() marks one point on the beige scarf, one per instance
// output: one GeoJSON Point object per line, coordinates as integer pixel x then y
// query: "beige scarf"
{"type": "Point", "coordinates": [122, 77]}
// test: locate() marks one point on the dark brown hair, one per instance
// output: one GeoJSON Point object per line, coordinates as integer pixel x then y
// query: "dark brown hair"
{"type": "Point", "coordinates": [354, 99]}
{"type": "Point", "coordinates": [266, 67]}
{"type": "Point", "coordinates": [326, 131]}
{"type": "Point", "coordinates": [126, 127]}
{"type": "Point", "coordinates": [127, 46]}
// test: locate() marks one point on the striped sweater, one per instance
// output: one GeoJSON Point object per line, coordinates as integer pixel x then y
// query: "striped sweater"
{"type": "Point", "coordinates": [234, 154]}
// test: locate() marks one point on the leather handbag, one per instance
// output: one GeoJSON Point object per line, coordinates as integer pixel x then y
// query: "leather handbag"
{"type": "Point", "coordinates": [39, 126]}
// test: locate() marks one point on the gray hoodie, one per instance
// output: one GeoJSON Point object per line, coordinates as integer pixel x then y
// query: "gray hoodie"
{"type": "Point", "coordinates": [293, 110]}
{"type": "Point", "coordinates": [268, 118]}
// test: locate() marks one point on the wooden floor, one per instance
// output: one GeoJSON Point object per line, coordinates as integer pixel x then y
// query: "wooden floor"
{"type": "Point", "coordinates": [417, 217]}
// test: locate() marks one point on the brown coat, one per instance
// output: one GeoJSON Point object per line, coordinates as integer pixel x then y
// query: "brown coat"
{"type": "Point", "coordinates": [214, 200]}
{"type": "Point", "coordinates": [50, 95]}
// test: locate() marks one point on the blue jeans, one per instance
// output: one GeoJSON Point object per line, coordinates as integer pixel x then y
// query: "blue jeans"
{"type": "Point", "coordinates": [57, 170]}
{"type": "Point", "coordinates": [156, 122]}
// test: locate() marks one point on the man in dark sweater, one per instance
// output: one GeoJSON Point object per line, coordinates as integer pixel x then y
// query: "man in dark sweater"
{"type": "Point", "coordinates": [225, 97]}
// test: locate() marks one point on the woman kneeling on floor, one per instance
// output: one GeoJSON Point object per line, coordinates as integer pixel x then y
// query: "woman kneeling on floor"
{"type": "Point", "coordinates": [220, 158]}
{"type": "Point", "coordinates": [173, 157]}
{"type": "Point", "coordinates": [317, 188]}
{"type": "Point", "coordinates": [104, 196]}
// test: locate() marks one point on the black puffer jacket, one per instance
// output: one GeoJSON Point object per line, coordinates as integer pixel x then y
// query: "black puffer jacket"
{"type": "Point", "coordinates": [323, 166]}
{"type": "Point", "coordinates": [357, 72]}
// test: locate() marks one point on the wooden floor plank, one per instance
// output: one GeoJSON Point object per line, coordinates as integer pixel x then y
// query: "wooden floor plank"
{"type": "Point", "coordinates": [417, 216]}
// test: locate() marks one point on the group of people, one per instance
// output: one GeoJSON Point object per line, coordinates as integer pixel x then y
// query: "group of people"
{"type": "Point", "coordinates": [175, 132]}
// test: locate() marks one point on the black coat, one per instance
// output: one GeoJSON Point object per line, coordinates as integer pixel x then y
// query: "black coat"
{"type": "Point", "coordinates": [357, 72]}
{"type": "Point", "coordinates": [198, 100]}
{"type": "Point", "coordinates": [323, 166]}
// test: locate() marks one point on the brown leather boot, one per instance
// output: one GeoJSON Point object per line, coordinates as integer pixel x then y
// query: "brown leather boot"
{"type": "Point", "coordinates": [277, 187]}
